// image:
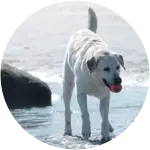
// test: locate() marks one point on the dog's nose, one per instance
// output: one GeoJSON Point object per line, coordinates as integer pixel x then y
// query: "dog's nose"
{"type": "Point", "coordinates": [117, 80]}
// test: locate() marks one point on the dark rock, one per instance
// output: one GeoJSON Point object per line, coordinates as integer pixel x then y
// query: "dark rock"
{"type": "Point", "coordinates": [22, 90]}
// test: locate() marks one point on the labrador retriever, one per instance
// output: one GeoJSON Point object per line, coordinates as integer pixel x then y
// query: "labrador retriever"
{"type": "Point", "coordinates": [94, 70]}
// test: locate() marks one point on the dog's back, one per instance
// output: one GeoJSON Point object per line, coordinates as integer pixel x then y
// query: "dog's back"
{"type": "Point", "coordinates": [85, 42]}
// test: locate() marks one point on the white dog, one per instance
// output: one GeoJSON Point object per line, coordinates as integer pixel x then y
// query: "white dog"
{"type": "Point", "coordinates": [95, 71]}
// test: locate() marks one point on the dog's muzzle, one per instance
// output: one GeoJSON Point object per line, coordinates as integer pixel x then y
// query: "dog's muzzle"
{"type": "Point", "coordinates": [117, 87]}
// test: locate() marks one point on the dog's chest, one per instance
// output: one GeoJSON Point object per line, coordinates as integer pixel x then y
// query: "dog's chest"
{"type": "Point", "coordinates": [90, 88]}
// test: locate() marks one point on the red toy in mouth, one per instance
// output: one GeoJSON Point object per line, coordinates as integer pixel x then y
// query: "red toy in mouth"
{"type": "Point", "coordinates": [115, 88]}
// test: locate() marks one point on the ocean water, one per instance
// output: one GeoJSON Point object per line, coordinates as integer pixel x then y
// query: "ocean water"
{"type": "Point", "coordinates": [38, 46]}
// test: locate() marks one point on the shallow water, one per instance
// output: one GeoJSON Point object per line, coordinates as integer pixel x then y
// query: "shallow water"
{"type": "Point", "coordinates": [47, 124]}
{"type": "Point", "coordinates": [38, 46]}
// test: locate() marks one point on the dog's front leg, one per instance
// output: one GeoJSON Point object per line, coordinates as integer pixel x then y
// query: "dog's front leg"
{"type": "Point", "coordinates": [104, 110]}
{"type": "Point", "coordinates": [86, 129]}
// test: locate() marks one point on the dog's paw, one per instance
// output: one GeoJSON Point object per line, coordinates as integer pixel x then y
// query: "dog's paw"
{"type": "Point", "coordinates": [86, 132]}
{"type": "Point", "coordinates": [68, 130]}
{"type": "Point", "coordinates": [105, 140]}
{"type": "Point", "coordinates": [67, 133]}
{"type": "Point", "coordinates": [106, 127]}
{"type": "Point", "coordinates": [105, 137]}
{"type": "Point", "coordinates": [86, 135]}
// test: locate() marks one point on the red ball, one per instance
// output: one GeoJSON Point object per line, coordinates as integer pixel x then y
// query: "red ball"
{"type": "Point", "coordinates": [115, 88]}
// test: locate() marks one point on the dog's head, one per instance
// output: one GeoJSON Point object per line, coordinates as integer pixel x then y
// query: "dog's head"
{"type": "Point", "coordinates": [106, 66]}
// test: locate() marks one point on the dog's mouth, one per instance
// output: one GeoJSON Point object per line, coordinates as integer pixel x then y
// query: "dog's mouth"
{"type": "Point", "coordinates": [116, 88]}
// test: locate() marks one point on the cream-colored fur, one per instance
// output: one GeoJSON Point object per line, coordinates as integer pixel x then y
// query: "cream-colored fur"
{"type": "Point", "coordinates": [85, 47]}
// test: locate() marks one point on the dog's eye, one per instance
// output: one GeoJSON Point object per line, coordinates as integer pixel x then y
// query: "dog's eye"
{"type": "Point", "coordinates": [106, 69]}
{"type": "Point", "coordinates": [118, 67]}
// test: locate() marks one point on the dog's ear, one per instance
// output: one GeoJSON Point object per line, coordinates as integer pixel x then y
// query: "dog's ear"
{"type": "Point", "coordinates": [120, 58]}
{"type": "Point", "coordinates": [92, 64]}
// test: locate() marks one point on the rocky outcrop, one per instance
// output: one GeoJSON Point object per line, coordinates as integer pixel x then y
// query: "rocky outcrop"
{"type": "Point", "coordinates": [21, 89]}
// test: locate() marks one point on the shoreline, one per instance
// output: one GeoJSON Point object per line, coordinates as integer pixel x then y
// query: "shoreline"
{"type": "Point", "coordinates": [20, 132]}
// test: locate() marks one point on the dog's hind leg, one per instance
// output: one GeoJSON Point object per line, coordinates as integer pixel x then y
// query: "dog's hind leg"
{"type": "Point", "coordinates": [68, 84]}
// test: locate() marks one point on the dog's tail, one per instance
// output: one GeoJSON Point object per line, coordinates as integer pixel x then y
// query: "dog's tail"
{"type": "Point", "coordinates": [92, 20]}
